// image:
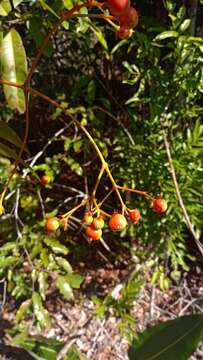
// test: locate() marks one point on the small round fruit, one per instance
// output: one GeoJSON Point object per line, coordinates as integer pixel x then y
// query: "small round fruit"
{"type": "Point", "coordinates": [134, 215]}
{"type": "Point", "coordinates": [98, 223]}
{"type": "Point", "coordinates": [52, 224]}
{"type": "Point", "coordinates": [118, 7]}
{"type": "Point", "coordinates": [117, 222]}
{"type": "Point", "coordinates": [88, 218]}
{"type": "Point", "coordinates": [45, 179]}
{"type": "Point", "coordinates": [159, 205]}
{"type": "Point", "coordinates": [124, 33]}
{"type": "Point", "coordinates": [130, 18]}
{"type": "Point", "coordinates": [92, 233]}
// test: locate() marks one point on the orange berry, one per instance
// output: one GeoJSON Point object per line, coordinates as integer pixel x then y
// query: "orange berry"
{"type": "Point", "coordinates": [45, 179]}
{"type": "Point", "coordinates": [118, 7]}
{"type": "Point", "coordinates": [117, 222]}
{"type": "Point", "coordinates": [98, 223]}
{"type": "Point", "coordinates": [130, 18]}
{"type": "Point", "coordinates": [159, 205]}
{"type": "Point", "coordinates": [134, 215]}
{"type": "Point", "coordinates": [92, 233]}
{"type": "Point", "coordinates": [52, 224]}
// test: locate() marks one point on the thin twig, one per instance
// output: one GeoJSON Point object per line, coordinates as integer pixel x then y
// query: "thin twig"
{"type": "Point", "coordinates": [178, 194]}
{"type": "Point", "coordinates": [175, 182]}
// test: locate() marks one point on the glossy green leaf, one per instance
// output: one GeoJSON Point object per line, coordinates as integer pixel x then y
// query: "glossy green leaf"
{"type": "Point", "coordinates": [185, 25]}
{"type": "Point", "coordinates": [64, 264]}
{"type": "Point", "coordinates": [41, 348]}
{"type": "Point", "coordinates": [68, 4]}
{"type": "Point", "coordinates": [24, 307]}
{"type": "Point", "coordinates": [40, 312]}
{"type": "Point", "coordinates": [42, 280]}
{"type": "Point", "coordinates": [7, 152]}
{"type": "Point", "coordinates": [5, 6]}
{"type": "Point", "coordinates": [166, 35]}
{"type": "Point", "coordinates": [173, 339]}
{"type": "Point", "coordinates": [7, 261]}
{"type": "Point", "coordinates": [45, 6]}
{"type": "Point", "coordinates": [64, 287]}
{"type": "Point", "coordinates": [56, 246]}
{"type": "Point", "coordinates": [75, 280]}
{"type": "Point", "coordinates": [14, 68]}
{"type": "Point", "coordinates": [8, 134]}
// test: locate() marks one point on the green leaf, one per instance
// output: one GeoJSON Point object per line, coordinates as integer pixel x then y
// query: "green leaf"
{"type": "Point", "coordinates": [10, 135]}
{"type": "Point", "coordinates": [64, 264]}
{"type": "Point", "coordinates": [22, 309]}
{"type": "Point", "coordinates": [14, 68]}
{"type": "Point", "coordinates": [173, 339]}
{"type": "Point", "coordinates": [166, 35]}
{"type": "Point", "coordinates": [100, 38]}
{"type": "Point", "coordinates": [68, 4]}
{"type": "Point", "coordinates": [38, 33]}
{"type": "Point", "coordinates": [185, 25]}
{"type": "Point", "coordinates": [42, 280]}
{"type": "Point", "coordinates": [75, 166]}
{"type": "Point", "coordinates": [20, 338]}
{"type": "Point", "coordinates": [7, 151]}
{"type": "Point", "coordinates": [74, 354]}
{"type": "Point", "coordinates": [75, 280]}
{"type": "Point", "coordinates": [45, 6]}
{"type": "Point", "coordinates": [56, 246]}
{"type": "Point", "coordinates": [40, 312]}
{"type": "Point", "coordinates": [91, 92]}
{"type": "Point", "coordinates": [7, 261]}
{"type": "Point", "coordinates": [64, 287]}
{"type": "Point", "coordinates": [42, 348]}
{"type": "Point", "coordinates": [5, 6]}
{"type": "Point", "coordinates": [8, 247]}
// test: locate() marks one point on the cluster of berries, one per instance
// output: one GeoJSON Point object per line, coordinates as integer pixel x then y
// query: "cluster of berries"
{"type": "Point", "coordinates": [117, 222]}
{"type": "Point", "coordinates": [127, 16]}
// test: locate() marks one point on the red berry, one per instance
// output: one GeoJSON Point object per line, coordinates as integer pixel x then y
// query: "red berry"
{"type": "Point", "coordinates": [117, 222]}
{"type": "Point", "coordinates": [134, 215]}
{"type": "Point", "coordinates": [159, 205]}
{"type": "Point", "coordinates": [124, 33]}
{"type": "Point", "coordinates": [52, 224]}
{"type": "Point", "coordinates": [88, 218]}
{"type": "Point", "coordinates": [130, 18]}
{"type": "Point", "coordinates": [98, 223]}
{"type": "Point", "coordinates": [45, 179]}
{"type": "Point", "coordinates": [118, 7]}
{"type": "Point", "coordinates": [92, 233]}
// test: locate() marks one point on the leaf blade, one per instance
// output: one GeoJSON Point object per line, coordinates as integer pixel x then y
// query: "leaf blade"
{"type": "Point", "coordinates": [180, 338]}
{"type": "Point", "coordinates": [14, 68]}
{"type": "Point", "coordinates": [8, 134]}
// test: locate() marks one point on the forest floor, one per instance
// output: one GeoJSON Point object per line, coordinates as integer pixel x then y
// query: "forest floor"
{"type": "Point", "coordinates": [97, 337]}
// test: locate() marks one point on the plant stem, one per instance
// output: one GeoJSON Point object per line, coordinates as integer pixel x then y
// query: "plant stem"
{"type": "Point", "coordinates": [139, 192]}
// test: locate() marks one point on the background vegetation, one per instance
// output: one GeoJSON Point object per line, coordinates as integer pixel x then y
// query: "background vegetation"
{"type": "Point", "coordinates": [134, 96]}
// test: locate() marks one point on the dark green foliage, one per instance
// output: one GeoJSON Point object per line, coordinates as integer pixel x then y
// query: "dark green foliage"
{"type": "Point", "coordinates": [174, 339]}
{"type": "Point", "coordinates": [125, 93]}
